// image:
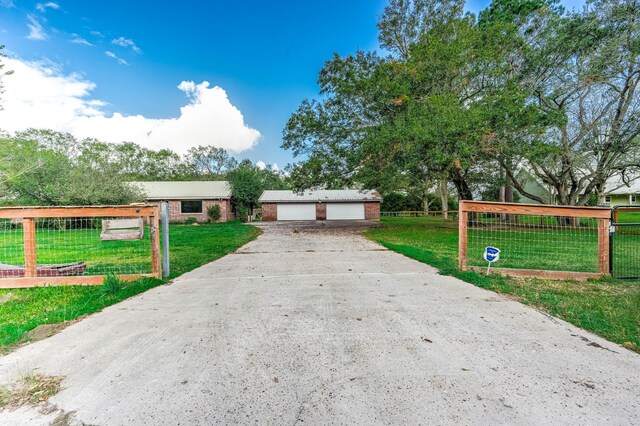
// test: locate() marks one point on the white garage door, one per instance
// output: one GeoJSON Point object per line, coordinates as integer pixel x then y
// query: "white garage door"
{"type": "Point", "coordinates": [296, 211]}
{"type": "Point", "coordinates": [345, 211]}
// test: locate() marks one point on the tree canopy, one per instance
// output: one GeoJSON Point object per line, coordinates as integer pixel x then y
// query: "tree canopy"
{"type": "Point", "coordinates": [524, 91]}
{"type": "Point", "coordinates": [43, 167]}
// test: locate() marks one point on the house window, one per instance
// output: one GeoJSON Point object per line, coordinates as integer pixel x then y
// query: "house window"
{"type": "Point", "coordinates": [190, 206]}
{"type": "Point", "coordinates": [632, 198]}
{"type": "Point", "coordinates": [607, 199]}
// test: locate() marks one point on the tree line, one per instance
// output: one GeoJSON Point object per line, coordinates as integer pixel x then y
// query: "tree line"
{"type": "Point", "coordinates": [526, 98]}
{"type": "Point", "coordinates": [44, 167]}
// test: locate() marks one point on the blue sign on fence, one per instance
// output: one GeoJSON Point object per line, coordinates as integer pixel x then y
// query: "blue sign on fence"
{"type": "Point", "coordinates": [491, 254]}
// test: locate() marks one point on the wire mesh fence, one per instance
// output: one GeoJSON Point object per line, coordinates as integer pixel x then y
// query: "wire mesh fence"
{"type": "Point", "coordinates": [11, 246]}
{"type": "Point", "coordinates": [534, 242]}
{"type": "Point", "coordinates": [626, 251]}
{"type": "Point", "coordinates": [625, 242]}
{"type": "Point", "coordinates": [77, 245]}
{"type": "Point", "coordinates": [550, 240]}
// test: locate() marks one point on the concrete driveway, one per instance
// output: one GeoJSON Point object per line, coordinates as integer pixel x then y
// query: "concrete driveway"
{"type": "Point", "coordinates": [315, 324]}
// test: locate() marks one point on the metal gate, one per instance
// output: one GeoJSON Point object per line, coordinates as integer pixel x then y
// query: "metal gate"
{"type": "Point", "coordinates": [624, 243]}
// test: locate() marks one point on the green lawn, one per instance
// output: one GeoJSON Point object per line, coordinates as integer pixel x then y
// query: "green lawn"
{"type": "Point", "coordinates": [608, 307]}
{"type": "Point", "coordinates": [80, 245]}
{"type": "Point", "coordinates": [551, 247]}
{"type": "Point", "coordinates": [21, 310]}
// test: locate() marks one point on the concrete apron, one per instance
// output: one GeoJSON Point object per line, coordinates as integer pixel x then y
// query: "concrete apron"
{"type": "Point", "coordinates": [324, 326]}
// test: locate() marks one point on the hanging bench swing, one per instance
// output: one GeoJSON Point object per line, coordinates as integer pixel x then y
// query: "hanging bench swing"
{"type": "Point", "coordinates": [122, 229]}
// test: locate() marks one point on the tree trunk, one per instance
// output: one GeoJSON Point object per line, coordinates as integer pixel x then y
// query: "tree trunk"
{"type": "Point", "coordinates": [501, 198]}
{"type": "Point", "coordinates": [464, 192]}
{"type": "Point", "coordinates": [508, 196]}
{"type": "Point", "coordinates": [508, 192]}
{"type": "Point", "coordinates": [444, 198]}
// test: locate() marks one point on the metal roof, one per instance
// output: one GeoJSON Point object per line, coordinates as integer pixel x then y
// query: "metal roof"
{"type": "Point", "coordinates": [191, 190]}
{"type": "Point", "coordinates": [324, 195]}
{"type": "Point", "coordinates": [615, 186]}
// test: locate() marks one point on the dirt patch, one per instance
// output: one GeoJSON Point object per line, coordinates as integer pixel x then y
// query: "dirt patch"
{"type": "Point", "coordinates": [31, 389]}
{"type": "Point", "coordinates": [45, 330]}
{"type": "Point", "coordinates": [38, 333]}
{"type": "Point", "coordinates": [65, 419]}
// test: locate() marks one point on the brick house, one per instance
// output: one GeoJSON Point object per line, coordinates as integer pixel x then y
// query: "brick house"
{"type": "Point", "coordinates": [190, 199]}
{"type": "Point", "coordinates": [343, 204]}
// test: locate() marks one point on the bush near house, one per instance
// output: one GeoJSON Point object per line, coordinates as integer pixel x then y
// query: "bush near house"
{"type": "Point", "coordinates": [214, 212]}
{"type": "Point", "coordinates": [242, 212]}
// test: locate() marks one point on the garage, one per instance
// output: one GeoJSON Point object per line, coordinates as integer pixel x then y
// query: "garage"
{"type": "Point", "coordinates": [297, 211]}
{"type": "Point", "coordinates": [320, 204]}
{"type": "Point", "coordinates": [345, 211]}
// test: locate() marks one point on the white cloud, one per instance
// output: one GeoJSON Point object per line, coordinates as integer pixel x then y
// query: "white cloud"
{"type": "Point", "coordinates": [126, 42]}
{"type": "Point", "coordinates": [7, 3]}
{"type": "Point", "coordinates": [75, 38]}
{"type": "Point", "coordinates": [36, 31]}
{"type": "Point", "coordinates": [96, 33]}
{"type": "Point", "coordinates": [262, 165]}
{"type": "Point", "coordinates": [42, 7]}
{"type": "Point", "coordinates": [38, 95]}
{"type": "Point", "coordinates": [113, 55]}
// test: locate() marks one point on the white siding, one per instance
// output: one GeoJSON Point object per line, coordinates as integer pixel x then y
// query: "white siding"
{"type": "Point", "coordinates": [297, 211]}
{"type": "Point", "coordinates": [345, 211]}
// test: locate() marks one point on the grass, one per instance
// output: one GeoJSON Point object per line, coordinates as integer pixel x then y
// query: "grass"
{"type": "Point", "coordinates": [74, 245]}
{"type": "Point", "coordinates": [29, 390]}
{"type": "Point", "coordinates": [607, 307]}
{"type": "Point", "coordinates": [22, 310]}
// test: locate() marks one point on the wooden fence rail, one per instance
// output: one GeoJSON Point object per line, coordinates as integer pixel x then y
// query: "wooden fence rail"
{"type": "Point", "coordinates": [28, 217]}
{"type": "Point", "coordinates": [468, 210]}
{"type": "Point", "coordinates": [419, 213]}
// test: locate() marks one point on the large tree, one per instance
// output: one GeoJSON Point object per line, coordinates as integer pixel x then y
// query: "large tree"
{"type": "Point", "coordinates": [404, 22]}
{"type": "Point", "coordinates": [397, 122]}
{"type": "Point", "coordinates": [134, 162]}
{"type": "Point", "coordinates": [249, 181]}
{"type": "Point", "coordinates": [54, 179]}
{"type": "Point", "coordinates": [576, 75]}
{"type": "Point", "coordinates": [210, 161]}
{"type": "Point", "coordinates": [528, 92]}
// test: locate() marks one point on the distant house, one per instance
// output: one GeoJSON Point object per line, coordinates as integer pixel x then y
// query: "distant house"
{"type": "Point", "coordinates": [349, 204]}
{"type": "Point", "coordinates": [190, 199]}
{"type": "Point", "coordinates": [618, 193]}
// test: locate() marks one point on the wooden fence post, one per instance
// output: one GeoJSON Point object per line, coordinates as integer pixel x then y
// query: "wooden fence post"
{"type": "Point", "coordinates": [463, 218]}
{"type": "Point", "coordinates": [603, 246]}
{"type": "Point", "coordinates": [29, 235]}
{"type": "Point", "coordinates": [154, 231]}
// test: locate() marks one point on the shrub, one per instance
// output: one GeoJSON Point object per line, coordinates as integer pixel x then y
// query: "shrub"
{"type": "Point", "coordinates": [214, 212]}
{"type": "Point", "coordinates": [191, 220]}
{"type": "Point", "coordinates": [10, 224]}
{"type": "Point", "coordinates": [112, 284]}
{"type": "Point", "coordinates": [394, 202]}
{"type": "Point", "coordinates": [242, 212]}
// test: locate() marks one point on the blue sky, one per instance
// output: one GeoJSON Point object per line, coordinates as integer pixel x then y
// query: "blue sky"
{"type": "Point", "coordinates": [264, 54]}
